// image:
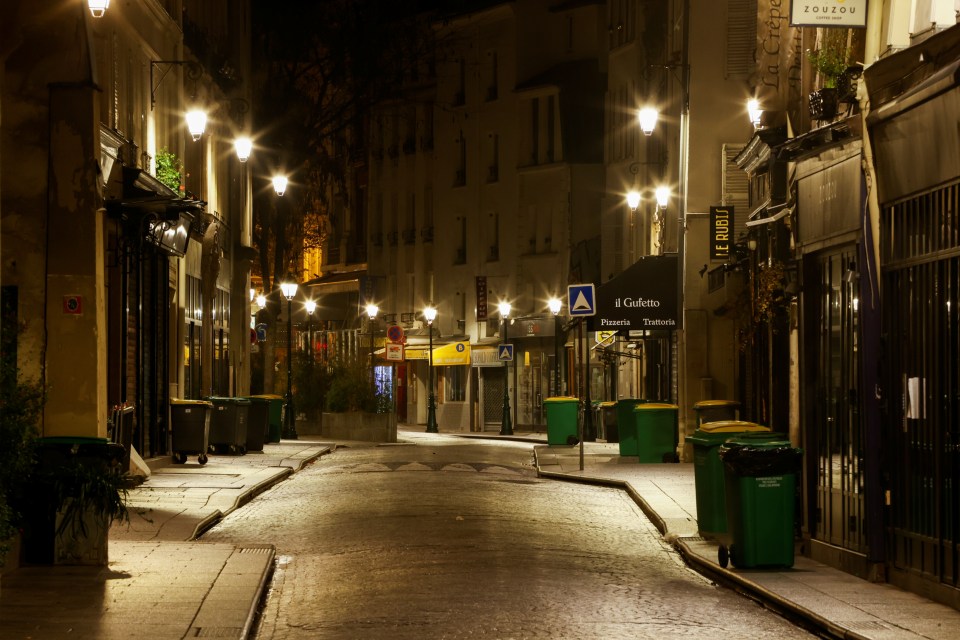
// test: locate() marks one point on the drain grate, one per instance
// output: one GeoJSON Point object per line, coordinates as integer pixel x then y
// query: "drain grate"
{"type": "Point", "coordinates": [218, 632]}
{"type": "Point", "coordinates": [256, 549]}
{"type": "Point", "coordinates": [863, 625]}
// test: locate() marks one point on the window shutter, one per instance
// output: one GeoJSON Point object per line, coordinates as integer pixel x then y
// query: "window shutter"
{"type": "Point", "coordinates": [735, 188]}
{"type": "Point", "coordinates": [741, 38]}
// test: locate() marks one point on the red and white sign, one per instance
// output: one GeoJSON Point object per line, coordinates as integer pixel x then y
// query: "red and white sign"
{"type": "Point", "coordinates": [73, 305]}
{"type": "Point", "coordinates": [395, 333]}
{"type": "Point", "coordinates": [394, 351]}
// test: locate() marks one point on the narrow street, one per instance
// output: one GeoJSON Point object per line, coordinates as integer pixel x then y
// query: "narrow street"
{"type": "Point", "coordinates": [447, 537]}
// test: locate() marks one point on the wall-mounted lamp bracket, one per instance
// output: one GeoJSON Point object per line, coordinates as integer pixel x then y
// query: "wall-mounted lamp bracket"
{"type": "Point", "coordinates": [194, 71]}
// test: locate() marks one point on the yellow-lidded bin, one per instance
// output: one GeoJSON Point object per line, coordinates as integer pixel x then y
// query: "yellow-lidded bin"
{"type": "Point", "coordinates": [656, 424]}
{"type": "Point", "coordinates": [716, 411]}
{"type": "Point", "coordinates": [708, 470]}
{"type": "Point", "coordinates": [562, 419]}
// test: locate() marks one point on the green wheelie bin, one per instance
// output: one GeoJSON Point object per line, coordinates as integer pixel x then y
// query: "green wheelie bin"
{"type": "Point", "coordinates": [626, 425]}
{"type": "Point", "coordinates": [228, 425]}
{"type": "Point", "coordinates": [562, 419]}
{"type": "Point", "coordinates": [189, 429]}
{"type": "Point", "coordinates": [708, 470]}
{"type": "Point", "coordinates": [657, 431]}
{"type": "Point", "coordinates": [761, 482]}
{"type": "Point", "coordinates": [275, 409]}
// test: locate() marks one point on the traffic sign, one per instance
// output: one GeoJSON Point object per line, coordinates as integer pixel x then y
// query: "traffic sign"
{"type": "Point", "coordinates": [395, 333]}
{"type": "Point", "coordinates": [505, 353]}
{"type": "Point", "coordinates": [394, 351]}
{"type": "Point", "coordinates": [581, 300]}
{"type": "Point", "coordinates": [605, 338]}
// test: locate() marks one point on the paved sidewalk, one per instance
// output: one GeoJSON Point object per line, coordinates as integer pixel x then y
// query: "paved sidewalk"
{"type": "Point", "coordinates": [833, 602]}
{"type": "Point", "coordinates": [161, 583]}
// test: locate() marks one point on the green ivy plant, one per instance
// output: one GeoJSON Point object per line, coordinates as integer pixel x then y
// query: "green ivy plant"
{"type": "Point", "coordinates": [830, 59]}
{"type": "Point", "coordinates": [169, 169]}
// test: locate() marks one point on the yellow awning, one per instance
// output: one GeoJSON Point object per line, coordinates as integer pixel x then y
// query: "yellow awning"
{"type": "Point", "coordinates": [455, 353]}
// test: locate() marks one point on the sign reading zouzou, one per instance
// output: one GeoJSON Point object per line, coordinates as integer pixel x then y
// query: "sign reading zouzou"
{"type": "Point", "coordinates": [721, 232]}
{"type": "Point", "coordinates": [643, 296]}
{"type": "Point", "coordinates": [828, 13]}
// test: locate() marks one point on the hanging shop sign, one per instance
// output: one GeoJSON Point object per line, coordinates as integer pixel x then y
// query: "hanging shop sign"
{"type": "Point", "coordinates": [721, 231]}
{"type": "Point", "coordinates": [481, 285]}
{"type": "Point", "coordinates": [828, 13]}
{"type": "Point", "coordinates": [643, 296]}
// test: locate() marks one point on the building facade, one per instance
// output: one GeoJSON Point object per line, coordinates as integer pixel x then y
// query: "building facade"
{"type": "Point", "coordinates": [118, 287]}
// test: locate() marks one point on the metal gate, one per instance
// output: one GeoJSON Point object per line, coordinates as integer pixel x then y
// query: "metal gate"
{"type": "Point", "coordinates": [921, 278]}
{"type": "Point", "coordinates": [836, 430]}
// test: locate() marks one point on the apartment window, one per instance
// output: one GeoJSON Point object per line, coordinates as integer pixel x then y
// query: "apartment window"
{"type": "Point", "coordinates": [492, 75]}
{"type": "Point", "coordinates": [410, 230]}
{"type": "Point", "coordinates": [535, 130]}
{"type": "Point", "coordinates": [461, 253]}
{"type": "Point", "coordinates": [493, 236]}
{"type": "Point", "coordinates": [426, 231]}
{"type": "Point", "coordinates": [426, 128]}
{"type": "Point", "coordinates": [551, 126]}
{"type": "Point", "coordinates": [460, 96]}
{"type": "Point", "coordinates": [493, 157]}
{"type": "Point", "coordinates": [622, 19]}
{"type": "Point", "coordinates": [460, 175]}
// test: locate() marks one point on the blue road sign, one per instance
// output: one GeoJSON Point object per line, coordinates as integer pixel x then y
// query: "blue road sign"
{"type": "Point", "coordinates": [581, 300]}
{"type": "Point", "coordinates": [505, 353]}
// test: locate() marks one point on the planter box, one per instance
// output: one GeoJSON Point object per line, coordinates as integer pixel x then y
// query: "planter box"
{"type": "Point", "coordinates": [357, 425]}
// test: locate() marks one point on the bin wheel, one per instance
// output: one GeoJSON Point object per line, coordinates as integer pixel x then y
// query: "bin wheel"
{"type": "Point", "coordinates": [202, 458]}
{"type": "Point", "coordinates": [179, 458]}
{"type": "Point", "coordinates": [243, 450]}
{"type": "Point", "coordinates": [723, 557]}
{"type": "Point", "coordinates": [212, 449]}
{"type": "Point", "coordinates": [232, 449]}
{"type": "Point", "coordinates": [572, 440]}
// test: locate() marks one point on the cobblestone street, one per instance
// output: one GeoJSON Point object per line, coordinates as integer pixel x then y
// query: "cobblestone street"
{"type": "Point", "coordinates": [460, 539]}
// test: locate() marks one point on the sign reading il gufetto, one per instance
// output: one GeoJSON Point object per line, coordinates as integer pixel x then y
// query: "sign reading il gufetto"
{"type": "Point", "coordinates": [644, 296]}
{"type": "Point", "coordinates": [829, 13]}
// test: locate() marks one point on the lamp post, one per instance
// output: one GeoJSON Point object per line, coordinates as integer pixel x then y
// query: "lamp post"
{"type": "Point", "coordinates": [430, 314]}
{"type": "Point", "coordinates": [289, 289]}
{"type": "Point", "coordinates": [372, 311]}
{"type": "Point", "coordinates": [506, 426]}
{"type": "Point", "coordinates": [311, 306]}
{"type": "Point", "coordinates": [555, 305]}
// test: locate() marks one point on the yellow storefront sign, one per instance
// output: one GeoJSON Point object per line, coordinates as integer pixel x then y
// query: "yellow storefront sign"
{"type": "Point", "coordinates": [455, 353]}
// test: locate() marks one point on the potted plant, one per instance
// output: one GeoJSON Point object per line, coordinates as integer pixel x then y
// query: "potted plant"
{"type": "Point", "coordinates": [830, 61]}
{"type": "Point", "coordinates": [77, 489]}
{"type": "Point", "coordinates": [356, 409]}
{"type": "Point", "coordinates": [20, 405]}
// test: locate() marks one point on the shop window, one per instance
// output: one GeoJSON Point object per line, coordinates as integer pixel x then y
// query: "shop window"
{"type": "Point", "coordinates": [455, 384]}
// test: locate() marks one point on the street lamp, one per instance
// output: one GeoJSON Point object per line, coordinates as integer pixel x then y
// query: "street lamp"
{"type": "Point", "coordinates": [311, 306]}
{"type": "Point", "coordinates": [98, 7]}
{"type": "Point", "coordinates": [506, 427]}
{"type": "Point", "coordinates": [648, 120]}
{"type": "Point", "coordinates": [430, 314]}
{"type": "Point", "coordinates": [196, 123]}
{"type": "Point", "coordinates": [372, 310]}
{"type": "Point", "coordinates": [555, 305]}
{"type": "Point", "coordinates": [243, 146]}
{"type": "Point", "coordinates": [289, 289]}
{"type": "Point", "coordinates": [755, 112]}
{"type": "Point", "coordinates": [279, 184]}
